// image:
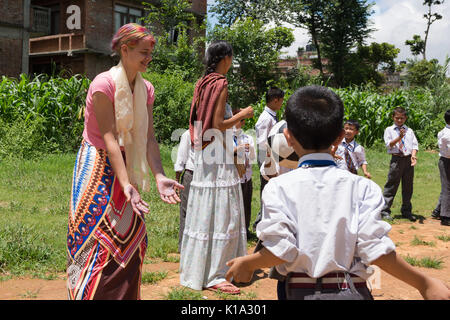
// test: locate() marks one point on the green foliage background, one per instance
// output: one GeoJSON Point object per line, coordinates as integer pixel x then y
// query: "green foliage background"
{"type": "Point", "coordinates": [45, 115]}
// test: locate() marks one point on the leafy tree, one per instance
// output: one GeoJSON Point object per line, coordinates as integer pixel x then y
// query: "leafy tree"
{"type": "Point", "coordinates": [256, 49]}
{"type": "Point", "coordinates": [176, 51]}
{"type": "Point", "coordinates": [380, 56]}
{"type": "Point", "coordinates": [366, 63]}
{"type": "Point", "coordinates": [336, 26]}
{"type": "Point", "coordinates": [308, 14]}
{"type": "Point", "coordinates": [167, 15]}
{"type": "Point", "coordinates": [345, 25]}
{"type": "Point", "coordinates": [229, 11]}
{"type": "Point", "coordinates": [417, 45]}
{"type": "Point", "coordinates": [421, 72]}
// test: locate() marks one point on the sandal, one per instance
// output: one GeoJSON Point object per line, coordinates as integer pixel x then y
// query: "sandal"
{"type": "Point", "coordinates": [225, 287]}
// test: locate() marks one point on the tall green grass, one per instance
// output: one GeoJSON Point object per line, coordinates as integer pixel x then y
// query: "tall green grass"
{"type": "Point", "coordinates": [373, 110]}
{"type": "Point", "coordinates": [50, 109]}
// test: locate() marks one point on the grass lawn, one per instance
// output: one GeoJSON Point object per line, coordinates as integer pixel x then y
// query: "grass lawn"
{"type": "Point", "coordinates": [34, 199]}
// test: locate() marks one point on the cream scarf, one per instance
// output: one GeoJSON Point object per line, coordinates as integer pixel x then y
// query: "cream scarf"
{"type": "Point", "coordinates": [132, 125]}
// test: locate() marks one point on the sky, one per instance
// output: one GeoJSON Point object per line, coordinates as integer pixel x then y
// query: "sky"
{"type": "Point", "coordinates": [395, 22]}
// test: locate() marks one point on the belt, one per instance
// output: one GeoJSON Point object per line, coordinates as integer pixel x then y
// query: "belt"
{"type": "Point", "coordinates": [334, 280]}
{"type": "Point", "coordinates": [401, 155]}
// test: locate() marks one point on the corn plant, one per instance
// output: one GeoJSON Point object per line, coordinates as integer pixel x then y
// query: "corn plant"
{"type": "Point", "coordinates": [54, 103]}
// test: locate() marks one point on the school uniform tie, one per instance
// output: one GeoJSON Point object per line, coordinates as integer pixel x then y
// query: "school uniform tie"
{"type": "Point", "coordinates": [348, 159]}
{"type": "Point", "coordinates": [274, 116]}
{"type": "Point", "coordinates": [401, 143]}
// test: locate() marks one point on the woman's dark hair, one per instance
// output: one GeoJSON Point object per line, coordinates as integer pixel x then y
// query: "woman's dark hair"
{"type": "Point", "coordinates": [352, 122]}
{"type": "Point", "coordinates": [216, 51]}
{"type": "Point", "coordinates": [447, 117]}
{"type": "Point", "coordinates": [274, 93]}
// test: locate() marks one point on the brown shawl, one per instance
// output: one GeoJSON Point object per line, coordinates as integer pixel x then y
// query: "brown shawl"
{"type": "Point", "coordinates": [207, 91]}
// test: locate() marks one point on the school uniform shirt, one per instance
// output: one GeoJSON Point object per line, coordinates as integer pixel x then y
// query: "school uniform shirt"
{"type": "Point", "coordinates": [444, 142]}
{"type": "Point", "coordinates": [241, 138]}
{"type": "Point", "coordinates": [323, 219]}
{"type": "Point", "coordinates": [185, 154]}
{"type": "Point", "coordinates": [356, 152]}
{"type": "Point", "coordinates": [266, 121]}
{"type": "Point", "coordinates": [409, 140]}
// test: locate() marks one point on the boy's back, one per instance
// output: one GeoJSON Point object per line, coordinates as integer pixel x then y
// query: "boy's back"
{"type": "Point", "coordinates": [328, 218]}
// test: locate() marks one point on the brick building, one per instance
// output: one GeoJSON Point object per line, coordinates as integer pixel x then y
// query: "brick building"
{"type": "Point", "coordinates": [72, 35]}
{"type": "Point", "coordinates": [305, 58]}
{"type": "Point", "coordinates": [14, 35]}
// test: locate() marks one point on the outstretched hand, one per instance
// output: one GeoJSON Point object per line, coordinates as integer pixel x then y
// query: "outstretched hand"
{"type": "Point", "coordinates": [139, 206]}
{"type": "Point", "coordinates": [435, 290]}
{"type": "Point", "coordinates": [168, 190]}
{"type": "Point", "coordinates": [238, 271]}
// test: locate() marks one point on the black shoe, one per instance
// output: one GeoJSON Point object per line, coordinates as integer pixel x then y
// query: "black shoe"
{"type": "Point", "coordinates": [445, 221]}
{"type": "Point", "coordinates": [435, 215]}
{"type": "Point", "coordinates": [409, 216]}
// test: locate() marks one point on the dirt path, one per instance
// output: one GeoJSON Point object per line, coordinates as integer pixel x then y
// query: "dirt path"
{"type": "Point", "coordinates": [264, 288]}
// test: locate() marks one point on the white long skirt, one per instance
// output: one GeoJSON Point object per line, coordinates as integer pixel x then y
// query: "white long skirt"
{"type": "Point", "coordinates": [215, 222]}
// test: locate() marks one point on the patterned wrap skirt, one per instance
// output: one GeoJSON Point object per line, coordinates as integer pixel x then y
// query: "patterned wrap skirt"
{"type": "Point", "coordinates": [106, 240]}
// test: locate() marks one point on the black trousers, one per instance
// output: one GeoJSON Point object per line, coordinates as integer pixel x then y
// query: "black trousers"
{"type": "Point", "coordinates": [281, 292]}
{"type": "Point", "coordinates": [400, 170]}
{"type": "Point", "coordinates": [247, 192]}
{"type": "Point", "coordinates": [443, 206]}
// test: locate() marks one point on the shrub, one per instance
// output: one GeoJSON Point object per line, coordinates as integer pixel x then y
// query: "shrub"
{"type": "Point", "coordinates": [172, 103]}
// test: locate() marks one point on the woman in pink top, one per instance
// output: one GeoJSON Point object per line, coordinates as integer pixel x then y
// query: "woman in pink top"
{"type": "Point", "coordinates": [107, 237]}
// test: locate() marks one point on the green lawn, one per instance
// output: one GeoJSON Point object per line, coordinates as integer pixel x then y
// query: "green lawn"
{"type": "Point", "coordinates": [34, 199]}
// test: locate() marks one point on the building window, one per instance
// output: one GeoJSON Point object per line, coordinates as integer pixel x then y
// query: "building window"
{"type": "Point", "coordinates": [41, 20]}
{"type": "Point", "coordinates": [55, 18]}
{"type": "Point", "coordinates": [124, 15]}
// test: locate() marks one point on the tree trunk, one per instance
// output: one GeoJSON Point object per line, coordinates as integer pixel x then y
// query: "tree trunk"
{"type": "Point", "coordinates": [426, 33]}
{"type": "Point", "coordinates": [313, 32]}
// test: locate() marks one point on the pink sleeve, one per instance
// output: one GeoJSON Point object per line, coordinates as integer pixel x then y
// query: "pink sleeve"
{"type": "Point", "coordinates": [105, 84]}
{"type": "Point", "coordinates": [150, 93]}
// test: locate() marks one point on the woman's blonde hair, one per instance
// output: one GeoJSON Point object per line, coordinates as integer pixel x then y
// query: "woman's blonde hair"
{"type": "Point", "coordinates": [130, 34]}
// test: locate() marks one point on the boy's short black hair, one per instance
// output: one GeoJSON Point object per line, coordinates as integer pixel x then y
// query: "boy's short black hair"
{"type": "Point", "coordinates": [274, 93]}
{"type": "Point", "coordinates": [400, 110]}
{"type": "Point", "coordinates": [314, 115]}
{"type": "Point", "coordinates": [353, 123]}
{"type": "Point", "coordinates": [447, 117]}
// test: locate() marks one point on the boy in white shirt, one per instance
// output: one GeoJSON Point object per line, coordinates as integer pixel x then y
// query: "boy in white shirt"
{"type": "Point", "coordinates": [245, 148]}
{"type": "Point", "coordinates": [266, 121]}
{"type": "Point", "coordinates": [442, 210]}
{"type": "Point", "coordinates": [184, 169]}
{"type": "Point", "coordinates": [349, 154]}
{"type": "Point", "coordinates": [321, 226]}
{"type": "Point", "coordinates": [402, 144]}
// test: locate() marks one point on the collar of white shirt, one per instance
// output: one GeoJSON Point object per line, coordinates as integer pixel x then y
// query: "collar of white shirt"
{"type": "Point", "coordinates": [353, 142]}
{"type": "Point", "coordinates": [398, 128]}
{"type": "Point", "coordinates": [316, 156]}
{"type": "Point", "coordinates": [273, 113]}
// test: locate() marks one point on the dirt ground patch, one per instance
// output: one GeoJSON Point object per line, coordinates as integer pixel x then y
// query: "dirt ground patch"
{"type": "Point", "coordinates": [418, 240]}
